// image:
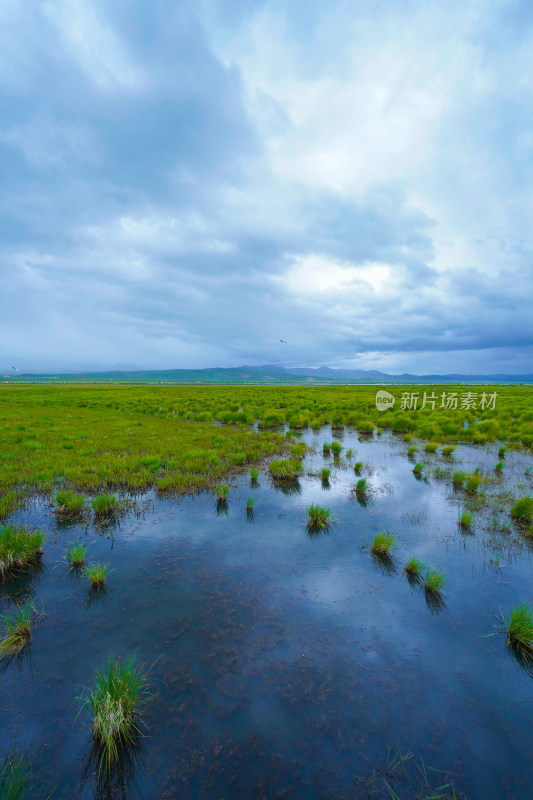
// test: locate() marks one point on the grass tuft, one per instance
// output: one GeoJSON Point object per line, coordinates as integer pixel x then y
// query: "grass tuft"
{"type": "Point", "coordinates": [250, 504]}
{"type": "Point", "coordinates": [76, 555]}
{"type": "Point", "coordinates": [105, 506]}
{"type": "Point", "coordinates": [431, 447]}
{"type": "Point", "coordinates": [459, 478]}
{"type": "Point", "coordinates": [434, 581]}
{"type": "Point", "coordinates": [69, 504]}
{"type": "Point", "coordinates": [116, 704]}
{"type": "Point", "coordinates": [318, 518]}
{"type": "Point", "coordinates": [336, 448]}
{"type": "Point", "coordinates": [418, 469]}
{"type": "Point", "coordinates": [283, 469]}
{"type": "Point", "coordinates": [383, 543]}
{"type": "Point", "coordinates": [17, 631]}
{"type": "Point", "coordinates": [465, 520]}
{"type": "Point", "coordinates": [19, 548]}
{"type": "Point", "coordinates": [412, 450]}
{"type": "Point", "coordinates": [96, 573]}
{"type": "Point", "coordinates": [473, 482]}
{"type": "Point", "coordinates": [324, 474]}
{"type": "Point", "coordinates": [254, 475]}
{"type": "Point", "coordinates": [222, 492]}
{"type": "Point", "coordinates": [357, 467]}
{"type": "Point", "coordinates": [522, 511]}
{"type": "Point", "coordinates": [448, 450]}
{"type": "Point", "coordinates": [414, 568]}
{"type": "Point", "coordinates": [519, 627]}
{"type": "Point", "coordinates": [361, 487]}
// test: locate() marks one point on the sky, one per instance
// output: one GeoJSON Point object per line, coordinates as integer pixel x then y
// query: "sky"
{"type": "Point", "coordinates": [183, 184]}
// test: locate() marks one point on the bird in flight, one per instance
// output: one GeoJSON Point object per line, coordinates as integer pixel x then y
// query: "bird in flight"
{"type": "Point", "coordinates": [283, 341]}
{"type": "Point", "coordinates": [15, 368]}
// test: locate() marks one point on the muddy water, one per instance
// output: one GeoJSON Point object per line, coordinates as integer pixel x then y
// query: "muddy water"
{"type": "Point", "coordinates": [287, 665]}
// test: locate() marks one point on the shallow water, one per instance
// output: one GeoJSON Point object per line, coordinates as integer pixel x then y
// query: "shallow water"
{"type": "Point", "coordinates": [287, 665]}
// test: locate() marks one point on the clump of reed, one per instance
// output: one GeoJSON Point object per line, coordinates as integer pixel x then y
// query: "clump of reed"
{"type": "Point", "coordinates": [254, 475]}
{"type": "Point", "coordinates": [222, 491]}
{"type": "Point", "coordinates": [414, 568]}
{"type": "Point", "coordinates": [299, 450]}
{"type": "Point", "coordinates": [324, 474]}
{"type": "Point", "coordinates": [76, 555]}
{"type": "Point", "coordinates": [17, 631]}
{"type": "Point", "coordinates": [522, 510]}
{"type": "Point", "coordinates": [68, 504]}
{"type": "Point", "coordinates": [106, 506]}
{"type": "Point", "coordinates": [383, 544]}
{"type": "Point", "coordinates": [412, 450]}
{"type": "Point", "coordinates": [465, 520]}
{"type": "Point", "coordinates": [361, 487]}
{"type": "Point", "coordinates": [349, 453]}
{"type": "Point", "coordinates": [116, 705]}
{"type": "Point", "coordinates": [19, 548]}
{"type": "Point", "coordinates": [97, 574]}
{"type": "Point", "coordinates": [336, 449]}
{"type": "Point", "coordinates": [434, 581]}
{"type": "Point", "coordinates": [519, 627]}
{"type": "Point", "coordinates": [250, 504]}
{"type": "Point", "coordinates": [431, 447]}
{"type": "Point", "coordinates": [499, 467]}
{"type": "Point", "coordinates": [448, 450]}
{"type": "Point", "coordinates": [459, 478]}
{"type": "Point", "coordinates": [473, 482]}
{"type": "Point", "coordinates": [318, 518]}
{"type": "Point", "coordinates": [285, 469]}
{"type": "Point", "coordinates": [326, 448]}
{"type": "Point", "coordinates": [418, 469]}
{"type": "Point", "coordinates": [357, 467]}
{"type": "Point", "coordinates": [501, 451]}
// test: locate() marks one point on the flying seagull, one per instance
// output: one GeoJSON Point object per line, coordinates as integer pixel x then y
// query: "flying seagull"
{"type": "Point", "coordinates": [283, 341]}
{"type": "Point", "coordinates": [15, 368]}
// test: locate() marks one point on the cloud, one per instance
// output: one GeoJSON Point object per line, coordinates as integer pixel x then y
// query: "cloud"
{"type": "Point", "coordinates": [185, 185]}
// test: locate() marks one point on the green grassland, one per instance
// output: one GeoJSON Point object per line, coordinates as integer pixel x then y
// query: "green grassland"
{"type": "Point", "coordinates": [188, 438]}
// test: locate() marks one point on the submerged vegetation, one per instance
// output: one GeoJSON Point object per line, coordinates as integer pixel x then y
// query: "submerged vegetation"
{"type": "Point", "coordinates": [19, 548]}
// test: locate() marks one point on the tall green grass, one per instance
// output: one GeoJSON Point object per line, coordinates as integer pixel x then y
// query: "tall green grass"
{"type": "Point", "coordinates": [116, 705]}
{"type": "Point", "coordinates": [16, 781]}
{"type": "Point", "coordinates": [76, 554]}
{"type": "Point", "coordinates": [19, 548]}
{"type": "Point", "coordinates": [285, 469]}
{"type": "Point", "coordinates": [522, 510]}
{"type": "Point", "coordinates": [97, 574]}
{"type": "Point", "coordinates": [105, 505]}
{"type": "Point", "coordinates": [68, 504]}
{"type": "Point", "coordinates": [519, 627]}
{"type": "Point", "coordinates": [17, 630]}
{"type": "Point", "coordinates": [318, 518]}
{"type": "Point", "coordinates": [383, 544]}
{"type": "Point", "coordinates": [434, 581]}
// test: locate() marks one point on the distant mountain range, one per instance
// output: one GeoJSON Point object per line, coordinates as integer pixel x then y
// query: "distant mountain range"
{"type": "Point", "coordinates": [269, 373]}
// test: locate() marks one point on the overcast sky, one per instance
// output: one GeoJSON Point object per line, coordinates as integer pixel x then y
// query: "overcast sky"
{"type": "Point", "coordinates": [183, 184]}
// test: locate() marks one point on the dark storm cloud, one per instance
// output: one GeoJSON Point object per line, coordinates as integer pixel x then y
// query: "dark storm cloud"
{"type": "Point", "coordinates": [185, 184]}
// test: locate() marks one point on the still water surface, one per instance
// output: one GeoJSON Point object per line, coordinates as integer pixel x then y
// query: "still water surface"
{"type": "Point", "coordinates": [287, 665]}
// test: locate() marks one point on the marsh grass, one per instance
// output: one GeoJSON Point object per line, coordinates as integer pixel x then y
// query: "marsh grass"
{"type": "Point", "coordinates": [465, 520]}
{"type": "Point", "coordinates": [326, 448]}
{"type": "Point", "coordinates": [357, 467]}
{"type": "Point", "coordinates": [419, 470]}
{"type": "Point", "coordinates": [76, 555]}
{"type": "Point", "coordinates": [285, 469]}
{"type": "Point", "coordinates": [414, 568]}
{"type": "Point", "coordinates": [412, 450]}
{"type": "Point", "coordinates": [473, 482]}
{"type": "Point", "coordinates": [434, 581]}
{"type": "Point", "coordinates": [522, 510]}
{"type": "Point", "coordinates": [324, 474]}
{"type": "Point", "coordinates": [97, 575]}
{"type": "Point", "coordinates": [222, 492]}
{"type": "Point", "coordinates": [431, 447]}
{"type": "Point", "coordinates": [501, 452]}
{"type": "Point", "coordinates": [20, 548]}
{"type": "Point", "coordinates": [448, 450]}
{"type": "Point", "coordinates": [250, 504]}
{"type": "Point", "coordinates": [383, 544]}
{"type": "Point", "coordinates": [519, 627]}
{"type": "Point", "coordinates": [336, 449]}
{"type": "Point", "coordinates": [459, 478]}
{"type": "Point", "coordinates": [116, 705]}
{"type": "Point", "coordinates": [254, 475]}
{"type": "Point", "coordinates": [69, 505]}
{"type": "Point", "coordinates": [361, 487]}
{"type": "Point", "coordinates": [17, 630]}
{"type": "Point", "coordinates": [499, 467]}
{"type": "Point", "coordinates": [319, 518]}
{"type": "Point", "coordinates": [106, 506]}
